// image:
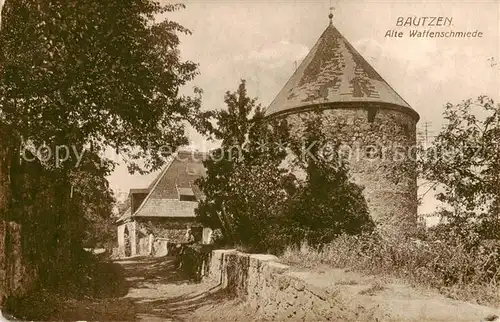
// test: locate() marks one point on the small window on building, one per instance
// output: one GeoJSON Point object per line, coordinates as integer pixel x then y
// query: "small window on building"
{"type": "Point", "coordinates": [186, 194]}
{"type": "Point", "coordinates": [406, 130]}
{"type": "Point", "coordinates": [372, 112]}
{"type": "Point", "coordinates": [187, 198]}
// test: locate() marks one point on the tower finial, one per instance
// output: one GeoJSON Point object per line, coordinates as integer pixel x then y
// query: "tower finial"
{"type": "Point", "coordinates": [330, 16]}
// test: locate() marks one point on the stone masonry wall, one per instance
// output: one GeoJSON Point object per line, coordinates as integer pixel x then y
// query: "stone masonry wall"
{"type": "Point", "coordinates": [15, 277]}
{"type": "Point", "coordinates": [268, 288]}
{"type": "Point", "coordinates": [379, 144]}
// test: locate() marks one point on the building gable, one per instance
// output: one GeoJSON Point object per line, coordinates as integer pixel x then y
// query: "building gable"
{"type": "Point", "coordinates": [177, 179]}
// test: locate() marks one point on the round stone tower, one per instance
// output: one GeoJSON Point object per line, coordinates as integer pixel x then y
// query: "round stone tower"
{"type": "Point", "coordinates": [376, 126]}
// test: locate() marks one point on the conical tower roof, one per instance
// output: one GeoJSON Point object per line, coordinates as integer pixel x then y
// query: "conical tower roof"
{"type": "Point", "coordinates": [334, 72]}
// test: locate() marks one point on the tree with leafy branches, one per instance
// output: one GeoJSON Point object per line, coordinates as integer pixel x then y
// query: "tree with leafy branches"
{"type": "Point", "coordinates": [243, 184]}
{"type": "Point", "coordinates": [463, 166]}
{"type": "Point", "coordinates": [88, 76]}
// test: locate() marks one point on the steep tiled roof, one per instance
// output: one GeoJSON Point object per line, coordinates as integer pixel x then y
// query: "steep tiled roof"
{"type": "Point", "coordinates": [167, 208]}
{"type": "Point", "coordinates": [334, 72]}
{"type": "Point", "coordinates": [180, 173]}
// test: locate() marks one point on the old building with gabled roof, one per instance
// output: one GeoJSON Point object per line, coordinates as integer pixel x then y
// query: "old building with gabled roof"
{"type": "Point", "coordinates": [356, 106]}
{"type": "Point", "coordinates": [164, 211]}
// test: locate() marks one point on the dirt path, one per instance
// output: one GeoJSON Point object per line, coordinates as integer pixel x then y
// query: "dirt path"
{"type": "Point", "coordinates": [159, 292]}
{"type": "Point", "coordinates": [136, 289]}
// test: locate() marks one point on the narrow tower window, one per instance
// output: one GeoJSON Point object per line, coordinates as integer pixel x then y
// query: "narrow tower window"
{"type": "Point", "coordinates": [372, 112]}
{"type": "Point", "coordinates": [406, 130]}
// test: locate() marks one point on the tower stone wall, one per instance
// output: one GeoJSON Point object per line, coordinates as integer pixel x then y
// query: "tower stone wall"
{"type": "Point", "coordinates": [379, 143]}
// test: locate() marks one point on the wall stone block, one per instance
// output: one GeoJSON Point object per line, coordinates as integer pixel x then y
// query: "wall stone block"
{"type": "Point", "coordinates": [389, 182]}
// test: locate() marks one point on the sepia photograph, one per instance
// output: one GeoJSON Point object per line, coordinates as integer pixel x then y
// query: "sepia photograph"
{"type": "Point", "coordinates": [262, 160]}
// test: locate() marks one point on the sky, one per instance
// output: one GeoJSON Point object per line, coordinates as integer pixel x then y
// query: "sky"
{"type": "Point", "coordinates": [263, 41]}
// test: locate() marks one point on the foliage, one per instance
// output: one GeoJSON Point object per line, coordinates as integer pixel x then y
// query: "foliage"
{"type": "Point", "coordinates": [94, 202]}
{"type": "Point", "coordinates": [58, 220]}
{"type": "Point", "coordinates": [253, 191]}
{"type": "Point", "coordinates": [243, 182]}
{"type": "Point", "coordinates": [464, 163]}
{"type": "Point", "coordinates": [99, 74]}
{"type": "Point", "coordinates": [461, 255]}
